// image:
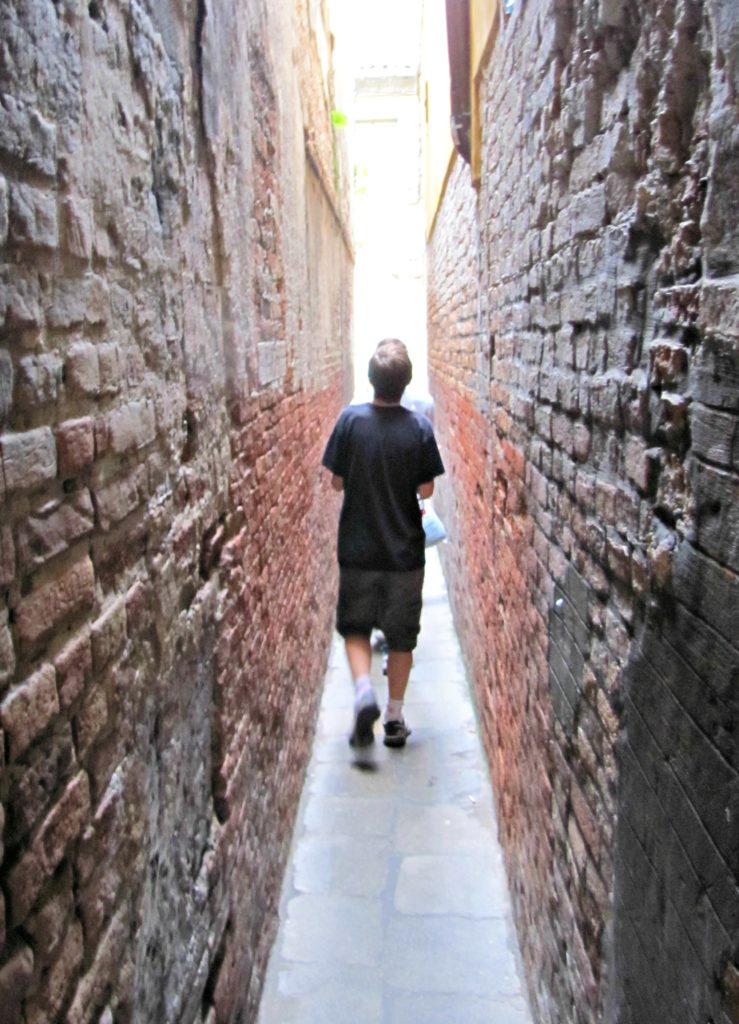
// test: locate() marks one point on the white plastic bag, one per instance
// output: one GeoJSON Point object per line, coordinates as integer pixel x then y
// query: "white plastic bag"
{"type": "Point", "coordinates": [432, 525]}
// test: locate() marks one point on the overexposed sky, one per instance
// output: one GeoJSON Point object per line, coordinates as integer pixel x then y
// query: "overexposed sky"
{"type": "Point", "coordinates": [385, 148]}
{"type": "Point", "coordinates": [381, 33]}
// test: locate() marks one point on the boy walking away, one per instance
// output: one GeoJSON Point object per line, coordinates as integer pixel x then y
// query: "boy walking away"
{"type": "Point", "coordinates": [383, 457]}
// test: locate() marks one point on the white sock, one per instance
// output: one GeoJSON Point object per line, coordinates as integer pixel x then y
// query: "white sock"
{"type": "Point", "coordinates": [394, 712]}
{"type": "Point", "coordinates": [361, 685]}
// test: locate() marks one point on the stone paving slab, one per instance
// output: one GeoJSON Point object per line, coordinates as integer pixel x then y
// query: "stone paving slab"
{"type": "Point", "coordinates": [395, 906]}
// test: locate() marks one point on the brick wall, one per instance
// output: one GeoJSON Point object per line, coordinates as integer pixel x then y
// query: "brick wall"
{"type": "Point", "coordinates": [583, 350]}
{"type": "Point", "coordinates": [168, 375]}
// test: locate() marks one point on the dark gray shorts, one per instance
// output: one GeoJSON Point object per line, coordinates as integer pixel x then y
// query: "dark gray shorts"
{"type": "Point", "coordinates": [390, 601]}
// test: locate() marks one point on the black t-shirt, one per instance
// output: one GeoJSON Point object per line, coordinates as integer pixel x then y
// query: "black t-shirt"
{"type": "Point", "coordinates": [383, 453]}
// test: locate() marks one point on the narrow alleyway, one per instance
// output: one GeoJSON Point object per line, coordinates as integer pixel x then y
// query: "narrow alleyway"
{"type": "Point", "coordinates": [394, 906]}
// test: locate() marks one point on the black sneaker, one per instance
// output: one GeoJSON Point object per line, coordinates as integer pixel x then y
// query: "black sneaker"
{"type": "Point", "coordinates": [396, 733]}
{"type": "Point", "coordinates": [366, 713]}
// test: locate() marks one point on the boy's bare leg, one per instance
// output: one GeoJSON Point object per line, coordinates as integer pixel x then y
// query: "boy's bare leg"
{"type": "Point", "coordinates": [399, 665]}
{"type": "Point", "coordinates": [359, 655]}
{"type": "Point", "coordinates": [398, 670]}
{"type": "Point", "coordinates": [366, 711]}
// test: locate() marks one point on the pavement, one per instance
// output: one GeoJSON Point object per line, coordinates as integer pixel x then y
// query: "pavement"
{"type": "Point", "coordinates": [394, 906]}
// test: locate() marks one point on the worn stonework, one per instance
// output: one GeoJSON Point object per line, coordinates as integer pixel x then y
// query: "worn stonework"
{"type": "Point", "coordinates": [584, 339]}
{"type": "Point", "coordinates": [170, 195]}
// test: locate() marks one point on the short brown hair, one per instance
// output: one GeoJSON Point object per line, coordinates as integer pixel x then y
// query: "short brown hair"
{"type": "Point", "coordinates": [390, 370]}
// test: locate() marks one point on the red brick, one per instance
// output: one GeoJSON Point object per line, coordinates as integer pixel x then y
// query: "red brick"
{"type": "Point", "coordinates": [15, 978]}
{"type": "Point", "coordinates": [25, 880]}
{"type": "Point", "coordinates": [75, 443]}
{"type": "Point", "coordinates": [104, 968]}
{"type": "Point", "coordinates": [64, 822]}
{"type": "Point", "coordinates": [138, 608]}
{"type": "Point", "coordinates": [48, 924]}
{"type": "Point", "coordinates": [58, 978]}
{"type": "Point", "coordinates": [73, 668]}
{"type": "Point", "coordinates": [97, 899]}
{"type": "Point", "coordinates": [90, 720]}
{"type": "Point", "coordinates": [46, 607]}
{"type": "Point", "coordinates": [108, 634]}
{"type": "Point", "coordinates": [29, 708]}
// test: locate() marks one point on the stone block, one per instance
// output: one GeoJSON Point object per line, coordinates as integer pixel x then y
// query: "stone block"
{"type": "Point", "coordinates": [589, 212]}
{"type": "Point", "coordinates": [108, 634]}
{"type": "Point", "coordinates": [26, 136]}
{"type": "Point", "coordinates": [714, 373]}
{"type": "Point", "coordinates": [668, 363]}
{"type": "Point", "coordinates": [4, 210]}
{"type": "Point", "coordinates": [41, 612]}
{"type": "Point", "coordinates": [73, 668]}
{"type": "Point", "coordinates": [130, 426]}
{"type": "Point", "coordinates": [67, 306]}
{"type": "Point", "coordinates": [719, 309]}
{"type": "Point", "coordinates": [75, 446]}
{"type": "Point", "coordinates": [7, 653]}
{"type": "Point", "coordinates": [641, 463]}
{"type": "Point", "coordinates": [77, 227]}
{"type": "Point", "coordinates": [76, 301]}
{"type": "Point", "coordinates": [20, 297]}
{"type": "Point", "coordinates": [272, 362]}
{"type": "Point", "coordinates": [82, 370]}
{"type": "Point", "coordinates": [38, 380]}
{"type": "Point", "coordinates": [32, 217]}
{"type": "Point", "coordinates": [715, 436]}
{"type": "Point", "coordinates": [97, 300]}
{"type": "Point", "coordinates": [6, 386]}
{"type": "Point", "coordinates": [29, 708]}
{"type": "Point", "coordinates": [716, 513]}
{"type": "Point", "coordinates": [117, 499]}
{"type": "Point", "coordinates": [53, 528]}
{"type": "Point", "coordinates": [7, 556]}
{"type": "Point", "coordinates": [111, 368]}
{"type": "Point", "coordinates": [28, 459]}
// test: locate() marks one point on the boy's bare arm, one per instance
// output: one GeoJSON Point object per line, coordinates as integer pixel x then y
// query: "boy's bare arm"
{"type": "Point", "coordinates": [425, 490]}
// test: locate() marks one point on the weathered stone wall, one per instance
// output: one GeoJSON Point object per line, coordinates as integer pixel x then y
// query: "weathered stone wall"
{"type": "Point", "coordinates": [169, 370]}
{"type": "Point", "coordinates": [584, 324]}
